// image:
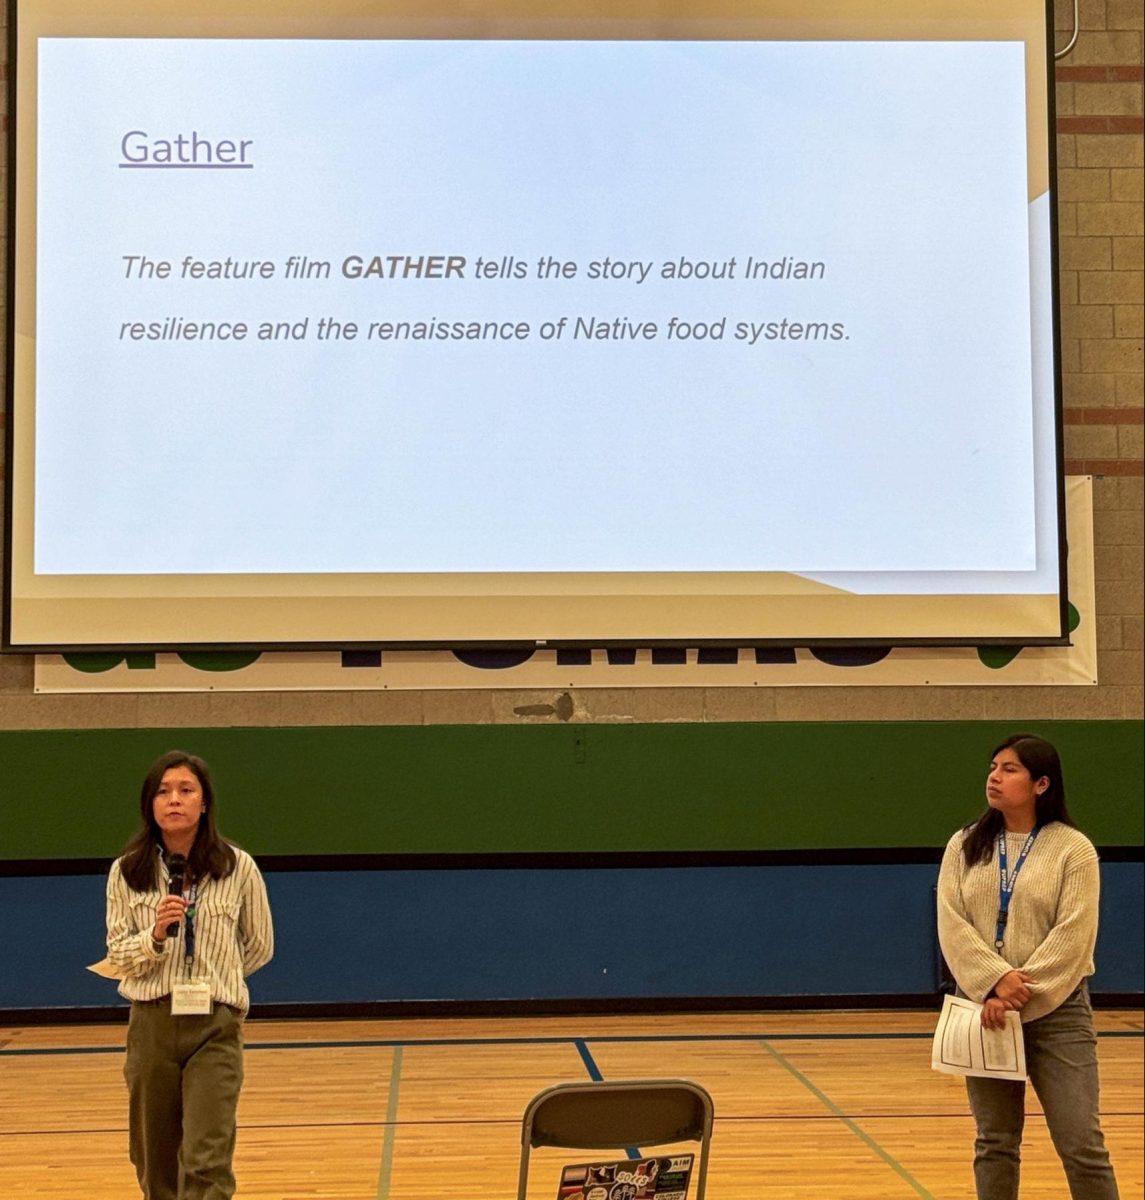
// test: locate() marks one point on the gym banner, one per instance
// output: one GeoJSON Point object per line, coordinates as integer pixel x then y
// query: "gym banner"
{"type": "Point", "coordinates": [548, 668]}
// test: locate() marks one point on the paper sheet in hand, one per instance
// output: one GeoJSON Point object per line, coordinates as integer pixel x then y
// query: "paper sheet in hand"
{"type": "Point", "coordinates": [105, 969]}
{"type": "Point", "coordinates": [963, 1047]}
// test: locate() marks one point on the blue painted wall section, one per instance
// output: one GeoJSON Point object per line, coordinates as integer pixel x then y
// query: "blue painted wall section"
{"type": "Point", "coordinates": [526, 934]}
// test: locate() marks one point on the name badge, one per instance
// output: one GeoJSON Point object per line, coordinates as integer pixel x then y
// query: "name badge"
{"type": "Point", "coordinates": [191, 999]}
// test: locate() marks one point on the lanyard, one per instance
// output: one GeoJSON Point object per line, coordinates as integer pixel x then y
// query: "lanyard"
{"type": "Point", "coordinates": [189, 927]}
{"type": "Point", "coordinates": [1007, 880]}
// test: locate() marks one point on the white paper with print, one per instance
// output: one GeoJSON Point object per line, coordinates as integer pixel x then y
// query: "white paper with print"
{"type": "Point", "coordinates": [963, 1047]}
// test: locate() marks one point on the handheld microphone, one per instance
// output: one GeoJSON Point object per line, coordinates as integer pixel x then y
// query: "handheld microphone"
{"type": "Point", "coordinates": [176, 865]}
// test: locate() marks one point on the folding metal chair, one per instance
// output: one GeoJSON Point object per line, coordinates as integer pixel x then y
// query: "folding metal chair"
{"type": "Point", "coordinates": [622, 1112]}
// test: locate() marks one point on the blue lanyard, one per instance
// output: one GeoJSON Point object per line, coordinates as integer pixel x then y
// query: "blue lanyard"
{"type": "Point", "coordinates": [1007, 881]}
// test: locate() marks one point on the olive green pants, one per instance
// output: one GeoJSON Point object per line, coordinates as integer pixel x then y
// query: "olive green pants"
{"type": "Point", "coordinates": [183, 1080]}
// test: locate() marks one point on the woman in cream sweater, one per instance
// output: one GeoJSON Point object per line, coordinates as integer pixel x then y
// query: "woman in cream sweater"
{"type": "Point", "coordinates": [1017, 922]}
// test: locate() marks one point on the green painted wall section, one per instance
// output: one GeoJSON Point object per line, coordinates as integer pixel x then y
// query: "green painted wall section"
{"type": "Point", "coordinates": [495, 788]}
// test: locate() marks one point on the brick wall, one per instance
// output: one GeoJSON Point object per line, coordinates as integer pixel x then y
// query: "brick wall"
{"type": "Point", "coordinates": [1100, 211]}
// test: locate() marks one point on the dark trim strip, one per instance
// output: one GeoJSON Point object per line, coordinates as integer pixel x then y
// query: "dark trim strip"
{"type": "Point", "coordinates": [588, 860]}
{"type": "Point", "coordinates": [1116, 124]}
{"type": "Point", "coordinates": [1100, 74]}
{"type": "Point", "coordinates": [429, 1009]}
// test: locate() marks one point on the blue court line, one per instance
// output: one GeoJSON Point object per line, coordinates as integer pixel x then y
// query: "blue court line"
{"type": "Point", "coordinates": [594, 1073]}
{"type": "Point", "coordinates": [589, 1062]}
{"type": "Point", "coordinates": [390, 1133]}
{"type": "Point", "coordinates": [851, 1125]}
{"type": "Point", "coordinates": [366, 1043]}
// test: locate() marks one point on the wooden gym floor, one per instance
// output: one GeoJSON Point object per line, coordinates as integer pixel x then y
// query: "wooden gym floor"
{"type": "Point", "coordinates": [809, 1106]}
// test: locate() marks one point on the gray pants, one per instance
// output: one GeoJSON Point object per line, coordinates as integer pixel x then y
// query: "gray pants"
{"type": "Point", "coordinates": [1061, 1058]}
{"type": "Point", "coordinates": [183, 1079]}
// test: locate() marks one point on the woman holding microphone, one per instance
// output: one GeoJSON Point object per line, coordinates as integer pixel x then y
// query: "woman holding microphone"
{"type": "Point", "coordinates": [187, 921]}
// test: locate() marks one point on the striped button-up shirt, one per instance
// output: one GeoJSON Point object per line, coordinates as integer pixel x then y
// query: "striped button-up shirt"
{"type": "Point", "coordinates": [233, 935]}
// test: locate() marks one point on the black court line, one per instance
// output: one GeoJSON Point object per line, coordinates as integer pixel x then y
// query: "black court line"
{"type": "Point", "coordinates": [565, 1040]}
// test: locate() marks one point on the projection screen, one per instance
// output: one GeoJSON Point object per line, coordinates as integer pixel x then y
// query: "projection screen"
{"type": "Point", "coordinates": [405, 324]}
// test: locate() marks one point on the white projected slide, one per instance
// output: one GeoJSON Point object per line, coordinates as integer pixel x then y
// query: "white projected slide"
{"type": "Point", "coordinates": [519, 306]}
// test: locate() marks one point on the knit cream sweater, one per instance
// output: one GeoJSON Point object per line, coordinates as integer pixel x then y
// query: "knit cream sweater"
{"type": "Point", "coordinates": [1052, 925]}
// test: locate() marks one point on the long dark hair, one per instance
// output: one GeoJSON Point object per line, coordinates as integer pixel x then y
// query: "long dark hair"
{"type": "Point", "coordinates": [1040, 758]}
{"type": "Point", "coordinates": [210, 854]}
